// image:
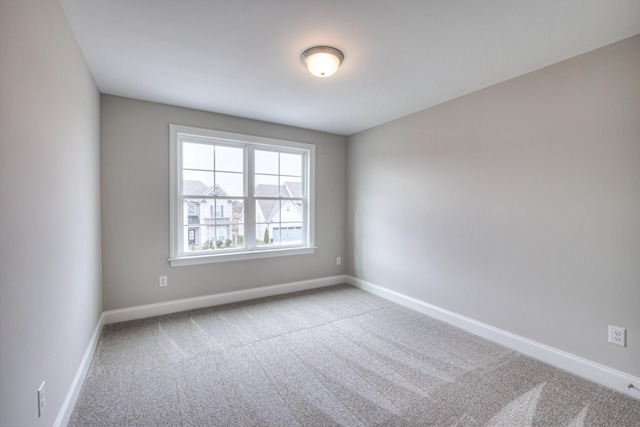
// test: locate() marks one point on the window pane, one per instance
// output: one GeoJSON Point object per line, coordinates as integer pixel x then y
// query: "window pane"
{"type": "Point", "coordinates": [229, 159]}
{"type": "Point", "coordinates": [234, 210]}
{"type": "Point", "coordinates": [266, 186]}
{"type": "Point", "coordinates": [264, 233]}
{"type": "Point", "coordinates": [267, 210]}
{"type": "Point", "coordinates": [191, 212]}
{"type": "Point", "coordinates": [291, 187]}
{"type": "Point", "coordinates": [192, 238]}
{"type": "Point", "coordinates": [196, 182]}
{"type": "Point", "coordinates": [231, 184]}
{"type": "Point", "coordinates": [223, 237]}
{"type": "Point", "coordinates": [222, 231]}
{"type": "Point", "coordinates": [223, 210]}
{"type": "Point", "coordinates": [291, 211]}
{"type": "Point", "coordinates": [229, 232]}
{"type": "Point", "coordinates": [290, 164]}
{"type": "Point", "coordinates": [197, 156]}
{"type": "Point", "coordinates": [220, 209]}
{"type": "Point", "coordinates": [237, 238]}
{"type": "Point", "coordinates": [266, 162]}
{"type": "Point", "coordinates": [279, 222]}
{"type": "Point", "coordinates": [274, 233]}
{"type": "Point", "coordinates": [289, 233]}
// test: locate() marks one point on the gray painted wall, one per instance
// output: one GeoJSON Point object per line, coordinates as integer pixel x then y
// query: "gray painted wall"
{"type": "Point", "coordinates": [50, 293]}
{"type": "Point", "coordinates": [135, 207]}
{"type": "Point", "coordinates": [520, 205]}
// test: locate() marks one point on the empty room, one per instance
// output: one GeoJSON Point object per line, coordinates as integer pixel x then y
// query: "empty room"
{"type": "Point", "coordinates": [319, 212]}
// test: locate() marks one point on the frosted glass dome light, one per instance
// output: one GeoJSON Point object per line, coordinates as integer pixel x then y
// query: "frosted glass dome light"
{"type": "Point", "coordinates": [322, 61]}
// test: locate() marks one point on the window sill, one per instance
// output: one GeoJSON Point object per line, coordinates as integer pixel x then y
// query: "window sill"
{"type": "Point", "coordinates": [208, 259]}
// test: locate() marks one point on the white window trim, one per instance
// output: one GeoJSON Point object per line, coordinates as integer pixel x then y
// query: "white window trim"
{"type": "Point", "coordinates": [177, 259]}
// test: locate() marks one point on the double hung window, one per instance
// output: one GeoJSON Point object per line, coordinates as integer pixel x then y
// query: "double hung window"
{"type": "Point", "coordinates": [237, 197]}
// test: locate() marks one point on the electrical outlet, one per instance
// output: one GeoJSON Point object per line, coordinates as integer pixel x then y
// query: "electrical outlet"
{"type": "Point", "coordinates": [338, 260]}
{"type": "Point", "coordinates": [617, 335]}
{"type": "Point", "coordinates": [163, 281]}
{"type": "Point", "coordinates": [42, 399]}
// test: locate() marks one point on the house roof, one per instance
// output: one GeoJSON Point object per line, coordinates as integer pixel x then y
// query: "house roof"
{"type": "Point", "coordinates": [192, 188]}
{"type": "Point", "coordinates": [294, 188]}
{"type": "Point", "coordinates": [215, 190]}
{"type": "Point", "coordinates": [270, 208]}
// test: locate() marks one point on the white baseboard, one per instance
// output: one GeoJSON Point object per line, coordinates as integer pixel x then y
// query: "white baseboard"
{"type": "Point", "coordinates": [76, 385]}
{"type": "Point", "coordinates": [593, 371]}
{"type": "Point", "coordinates": [150, 310]}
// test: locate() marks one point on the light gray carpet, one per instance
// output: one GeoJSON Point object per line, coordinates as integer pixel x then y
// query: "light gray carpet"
{"type": "Point", "coordinates": [336, 356]}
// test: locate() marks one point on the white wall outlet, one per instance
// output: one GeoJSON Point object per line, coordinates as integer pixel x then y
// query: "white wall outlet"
{"type": "Point", "coordinates": [42, 399]}
{"type": "Point", "coordinates": [338, 260]}
{"type": "Point", "coordinates": [163, 281]}
{"type": "Point", "coordinates": [617, 335]}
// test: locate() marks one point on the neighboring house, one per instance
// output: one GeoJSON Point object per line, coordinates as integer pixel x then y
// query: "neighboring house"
{"type": "Point", "coordinates": [211, 223]}
{"type": "Point", "coordinates": [283, 218]}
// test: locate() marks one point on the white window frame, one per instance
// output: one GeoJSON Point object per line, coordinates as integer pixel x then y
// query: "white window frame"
{"type": "Point", "coordinates": [178, 256]}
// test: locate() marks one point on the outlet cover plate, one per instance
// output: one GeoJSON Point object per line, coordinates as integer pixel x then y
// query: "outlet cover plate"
{"type": "Point", "coordinates": [617, 335]}
{"type": "Point", "coordinates": [42, 399]}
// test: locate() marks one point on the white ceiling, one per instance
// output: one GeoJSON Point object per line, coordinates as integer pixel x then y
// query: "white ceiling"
{"type": "Point", "coordinates": [242, 57]}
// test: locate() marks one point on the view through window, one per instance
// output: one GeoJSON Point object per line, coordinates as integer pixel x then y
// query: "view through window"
{"type": "Point", "coordinates": [238, 194]}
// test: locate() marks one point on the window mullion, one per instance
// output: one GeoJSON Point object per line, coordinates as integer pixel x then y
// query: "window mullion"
{"type": "Point", "coordinates": [180, 222]}
{"type": "Point", "coordinates": [250, 202]}
{"type": "Point", "coordinates": [305, 200]}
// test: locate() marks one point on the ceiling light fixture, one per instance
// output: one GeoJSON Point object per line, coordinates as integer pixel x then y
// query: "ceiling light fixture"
{"type": "Point", "coordinates": [322, 61]}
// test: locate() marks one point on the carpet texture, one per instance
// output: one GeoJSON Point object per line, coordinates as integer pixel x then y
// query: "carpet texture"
{"type": "Point", "coordinates": [334, 356]}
